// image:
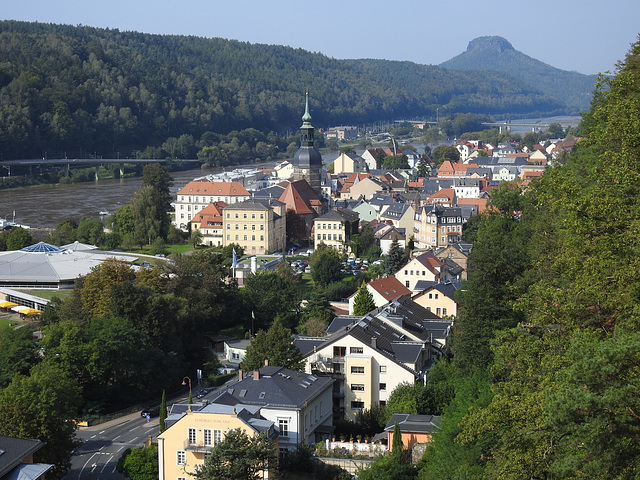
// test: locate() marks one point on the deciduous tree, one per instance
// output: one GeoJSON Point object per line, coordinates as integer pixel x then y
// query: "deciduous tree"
{"type": "Point", "coordinates": [276, 346]}
{"type": "Point", "coordinates": [239, 457]}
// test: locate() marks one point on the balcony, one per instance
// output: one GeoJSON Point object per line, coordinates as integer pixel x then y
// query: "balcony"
{"type": "Point", "coordinates": [197, 447]}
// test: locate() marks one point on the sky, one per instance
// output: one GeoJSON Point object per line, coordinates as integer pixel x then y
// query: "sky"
{"type": "Point", "coordinates": [580, 35]}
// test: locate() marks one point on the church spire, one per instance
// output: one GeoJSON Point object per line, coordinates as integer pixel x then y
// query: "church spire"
{"type": "Point", "coordinates": [306, 129]}
{"type": "Point", "coordinates": [306, 118]}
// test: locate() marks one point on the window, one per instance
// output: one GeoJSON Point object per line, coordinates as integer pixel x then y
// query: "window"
{"type": "Point", "coordinates": [339, 351]}
{"type": "Point", "coordinates": [431, 296]}
{"type": "Point", "coordinates": [438, 311]}
{"type": "Point", "coordinates": [253, 215]}
{"type": "Point", "coordinates": [358, 370]}
{"type": "Point", "coordinates": [208, 438]}
{"type": "Point", "coordinates": [245, 238]}
{"type": "Point", "coordinates": [192, 435]}
{"type": "Point", "coordinates": [283, 425]}
{"type": "Point", "coordinates": [436, 296]}
{"type": "Point", "coordinates": [181, 457]}
{"type": "Point", "coordinates": [444, 311]}
{"type": "Point", "coordinates": [383, 369]}
{"type": "Point", "coordinates": [355, 350]}
{"type": "Point", "coordinates": [357, 405]}
{"type": "Point", "coordinates": [357, 387]}
{"type": "Point", "coordinates": [228, 226]}
{"type": "Point", "coordinates": [244, 215]}
{"type": "Point", "coordinates": [383, 386]}
{"type": "Point", "coordinates": [253, 238]}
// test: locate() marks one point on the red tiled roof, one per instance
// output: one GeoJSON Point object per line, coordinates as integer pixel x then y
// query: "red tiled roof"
{"type": "Point", "coordinates": [389, 287]}
{"type": "Point", "coordinates": [299, 197]}
{"type": "Point", "coordinates": [205, 187]}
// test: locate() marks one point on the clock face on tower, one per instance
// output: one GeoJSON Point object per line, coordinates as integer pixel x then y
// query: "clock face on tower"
{"type": "Point", "coordinates": [304, 171]}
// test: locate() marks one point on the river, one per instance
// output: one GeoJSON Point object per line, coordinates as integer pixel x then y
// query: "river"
{"type": "Point", "coordinates": [46, 206]}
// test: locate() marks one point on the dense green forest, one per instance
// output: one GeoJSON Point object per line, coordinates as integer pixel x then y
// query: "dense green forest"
{"type": "Point", "coordinates": [547, 343]}
{"type": "Point", "coordinates": [78, 91]}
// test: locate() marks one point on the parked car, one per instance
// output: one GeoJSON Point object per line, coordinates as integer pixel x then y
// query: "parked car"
{"type": "Point", "coordinates": [204, 391]}
{"type": "Point", "coordinates": [151, 411]}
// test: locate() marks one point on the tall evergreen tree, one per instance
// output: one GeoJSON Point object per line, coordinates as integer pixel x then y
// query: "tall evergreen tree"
{"type": "Point", "coordinates": [363, 302]}
{"type": "Point", "coordinates": [395, 258]}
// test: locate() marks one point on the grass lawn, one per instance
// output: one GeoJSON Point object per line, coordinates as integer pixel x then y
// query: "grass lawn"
{"type": "Point", "coordinates": [4, 323]}
{"type": "Point", "coordinates": [49, 294]}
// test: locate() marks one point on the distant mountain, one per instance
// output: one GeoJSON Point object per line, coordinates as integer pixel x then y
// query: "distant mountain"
{"type": "Point", "coordinates": [498, 55]}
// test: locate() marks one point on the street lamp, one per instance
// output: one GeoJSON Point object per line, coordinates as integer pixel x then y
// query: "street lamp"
{"type": "Point", "coordinates": [190, 397]}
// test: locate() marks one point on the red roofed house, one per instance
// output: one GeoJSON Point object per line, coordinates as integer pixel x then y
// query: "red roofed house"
{"type": "Point", "coordinates": [454, 170]}
{"type": "Point", "coordinates": [196, 195]}
{"type": "Point", "coordinates": [383, 290]}
{"type": "Point", "coordinates": [209, 222]}
{"type": "Point", "coordinates": [425, 266]}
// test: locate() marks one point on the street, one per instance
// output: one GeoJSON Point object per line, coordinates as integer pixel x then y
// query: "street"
{"type": "Point", "coordinates": [102, 446]}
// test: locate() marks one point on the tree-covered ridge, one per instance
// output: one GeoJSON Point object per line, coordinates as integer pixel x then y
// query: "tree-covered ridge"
{"type": "Point", "coordinates": [550, 324]}
{"type": "Point", "coordinates": [495, 54]}
{"type": "Point", "coordinates": [80, 90]}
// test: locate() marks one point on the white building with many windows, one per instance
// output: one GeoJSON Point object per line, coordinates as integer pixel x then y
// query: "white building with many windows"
{"type": "Point", "coordinates": [196, 195]}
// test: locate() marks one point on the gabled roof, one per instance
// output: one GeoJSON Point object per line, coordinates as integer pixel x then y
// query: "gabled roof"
{"type": "Point", "coordinates": [213, 211]}
{"type": "Point", "coordinates": [299, 197]}
{"type": "Point", "coordinates": [205, 187]}
{"type": "Point", "coordinates": [448, 287]}
{"type": "Point", "coordinates": [395, 330]}
{"type": "Point", "coordinates": [429, 260]}
{"type": "Point", "coordinates": [13, 451]}
{"type": "Point", "coordinates": [389, 288]}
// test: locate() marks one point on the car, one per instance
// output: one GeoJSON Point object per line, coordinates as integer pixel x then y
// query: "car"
{"type": "Point", "coordinates": [146, 265]}
{"type": "Point", "coordinates": [204, 391]}
{"type": "Point", "coordinates": [151, 411]}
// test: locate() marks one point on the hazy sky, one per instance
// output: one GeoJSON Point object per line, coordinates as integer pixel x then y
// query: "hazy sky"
{"type": "Point", "coordinates": [581, 35]}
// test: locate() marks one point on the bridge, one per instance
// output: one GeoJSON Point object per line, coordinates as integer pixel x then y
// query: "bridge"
{"type": "Point", "coordinates": [83, 163]}
{"type": "Point", "coordinates": [535, 126]}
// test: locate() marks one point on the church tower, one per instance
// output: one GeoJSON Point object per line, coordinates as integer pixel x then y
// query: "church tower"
{"type": "Point", "coordinates": [307, 161]}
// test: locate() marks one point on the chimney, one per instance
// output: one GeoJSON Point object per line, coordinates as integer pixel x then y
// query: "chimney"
{"type": "Point", "coordinates": [374, 342]}
{"type": "Point", "coordinates": [266, 362]}
{"type": "Point", "coordinates": [256, 374]}
{"type": "Point", "coordinates": [239, 375]}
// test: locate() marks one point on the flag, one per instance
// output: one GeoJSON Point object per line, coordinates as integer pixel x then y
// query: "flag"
{"type": "Point", "coordinates": [235, 259]}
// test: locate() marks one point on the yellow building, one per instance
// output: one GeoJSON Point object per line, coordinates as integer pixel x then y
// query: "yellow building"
{"type": "Point", "coordinates": [258, 225]}
{"type": "Point", "coordinates": [190, 435]}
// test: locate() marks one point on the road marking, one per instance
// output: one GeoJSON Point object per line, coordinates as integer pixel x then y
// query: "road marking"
{"type": "Point", "coordinates": [106, 463]}
{"type": "Point", "coordinates": [85, 464]}
{"type": "Point", "coordinates": [101, 432]}
{"type": "Point", "coordinates": [120, 449]}
{"type": "Point", "coordinates": [93, 436]}
{"type": "Point", "coordinates": [133, 429]}
{"type": "Point", "coordinates": [117, 437]}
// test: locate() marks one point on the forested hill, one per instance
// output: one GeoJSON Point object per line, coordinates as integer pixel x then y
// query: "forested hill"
{"type": "Point", "coordinates": [547, 340]}
{"type": "Point", "coordinates": [76, 89]}
{"type": "Point", "coordinates": [498, 55]}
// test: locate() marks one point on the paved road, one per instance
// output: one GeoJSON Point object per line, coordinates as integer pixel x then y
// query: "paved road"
{"type": "Point", "coordinates": [102, 446]}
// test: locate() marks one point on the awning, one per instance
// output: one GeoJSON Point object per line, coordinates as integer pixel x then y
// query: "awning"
{"type": "Point", "coordinates": [29, 311]}
{"type": "Point", "coordinates": [8, 304]}
{"type": "Point", "coordinates": [18, 308]}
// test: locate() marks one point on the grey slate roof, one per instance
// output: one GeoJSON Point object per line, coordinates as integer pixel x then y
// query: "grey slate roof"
{"type": "Point", "coordinates": [14, 450]}
{"type": "Point", "coordinates": [340, 215]}
{"type": "Point", "coordinates": [278, 387]}
{"type": "Point", "coordinates": [395, 329]}
{"type": "Point", "coordinates": [410, 423]}
{"type": "Point", "coordinates": [448, 287]}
